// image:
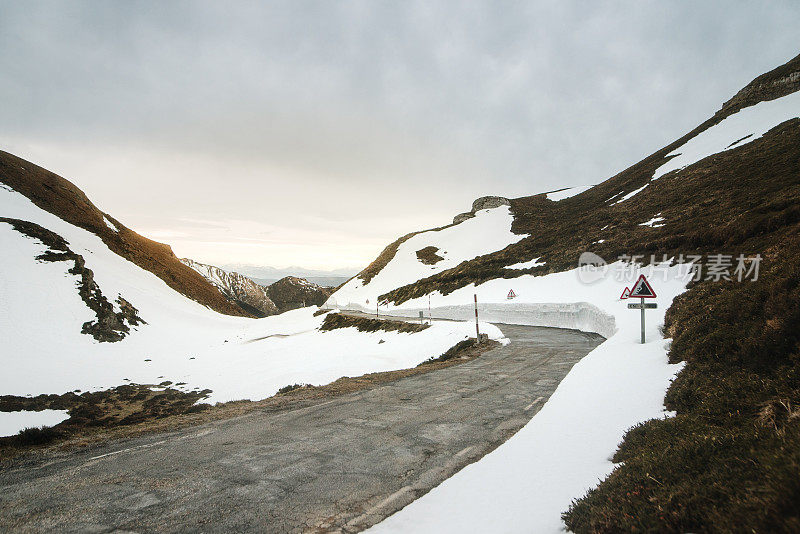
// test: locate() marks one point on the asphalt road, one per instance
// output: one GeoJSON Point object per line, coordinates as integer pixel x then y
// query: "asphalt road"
{"type": "Point", "coordinates": [340, 465]}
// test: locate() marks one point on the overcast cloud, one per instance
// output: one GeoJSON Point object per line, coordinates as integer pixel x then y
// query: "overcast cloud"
{"type": "Point", "coordinates": [315, 133]}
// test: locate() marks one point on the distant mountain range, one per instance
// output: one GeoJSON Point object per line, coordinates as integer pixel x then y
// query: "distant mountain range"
{"type": "Point", "coordinates": [266, 275]}
{"type": "Point", "coordinates": [260, 299]}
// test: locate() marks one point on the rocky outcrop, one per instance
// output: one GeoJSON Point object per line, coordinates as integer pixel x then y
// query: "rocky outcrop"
{"type": "Point", "coordinates": [291, 292]}
{"type": "Point", "coordinates": [774, 84]}
{"type": "Point", "coordinates": [482, 203]}
{"type": "Point", "coordinates": [239, 289]}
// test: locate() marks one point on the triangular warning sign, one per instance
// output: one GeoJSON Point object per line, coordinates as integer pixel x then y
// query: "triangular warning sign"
{"type": "Point", "coordinates": [511, 295]}
{"type": "Point", "coordinates": [625, 294]}
{"type": "Point", "coordinates": [642, 289]}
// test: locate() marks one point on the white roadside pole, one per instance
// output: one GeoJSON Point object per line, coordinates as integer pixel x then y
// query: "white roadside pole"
{"type": "Point", "coordinates": [430, 317]}
{"type": "Point", "coordinates": [643, 290]}
{"type": "Point", "coordinates": [477, 328]}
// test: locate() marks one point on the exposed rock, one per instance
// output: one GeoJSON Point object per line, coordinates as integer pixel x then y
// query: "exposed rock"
{"type": "Point", "coordinates": [482, 203]}
{"type": "Point", "coordinates": [776, 83]}
{"type": "Point", "coordinates": [485, 203]}
{"type": "Point", "coordinates": [461, 217]}
{"type": "Point", "coordinates": [239, 289]}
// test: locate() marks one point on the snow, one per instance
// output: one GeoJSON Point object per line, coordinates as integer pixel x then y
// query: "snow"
{"type": "Point", "coordinates": [655, 222]}
{"type": "Point", "coordinates": [738, 129]}
{"type": "Point", "coordinates": [110, 224]}
{"type": "Point", "coordinates": [526, 483]}
{"type": "Point", "coordinates": [527, 264]}
{"type": "Point", "coordinates": [183, 341]}
{"type": "Point", "coordinates": [12, 422]}
{"type": "Point", "coordinates": [555, 196]}
{"type": "Point", "coordinates": [631, 194]}
{"type": "Point", "coordinates": [488, 231]}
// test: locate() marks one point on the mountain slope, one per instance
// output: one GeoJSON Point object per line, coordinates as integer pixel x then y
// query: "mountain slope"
{"type": "Point", "coordinates": [60, 197]}
{"type": "Point", "coordinates": [726, 459]}
{"type": "Point", "coordinates": [239, 289]}
{"type": "Point", "coordinates": [291, 292]}
{"type": "Point", "coordinates": [288, 293]}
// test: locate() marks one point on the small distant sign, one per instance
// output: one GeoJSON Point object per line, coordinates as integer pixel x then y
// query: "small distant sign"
{"type": "Point", "coordinates": [642, 289]}
{"type": "Point", "coordinates": [511, 295]}
{"type": "Point", "coordinates": [625, 294]}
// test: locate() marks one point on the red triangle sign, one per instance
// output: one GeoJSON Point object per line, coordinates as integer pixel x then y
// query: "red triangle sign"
{"type": "Point", "coordinates": [511, 295]}
{"type": "Point", "coordinates": [625, 294]}
{"type": "Point", "coordinates": [642, 289]}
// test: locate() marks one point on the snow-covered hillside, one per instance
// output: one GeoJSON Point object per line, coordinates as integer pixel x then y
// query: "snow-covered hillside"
{"type": "Point", "coordinates": [488, 231]}
{"type": "Point", "coordinates": [45, 351]}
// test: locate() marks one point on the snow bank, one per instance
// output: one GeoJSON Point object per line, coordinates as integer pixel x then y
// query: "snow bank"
{"type": "Point", "coordinates": [488, 231]}
{"type": "Point", "coordinates": [12, 422]}
{"type": "Point", "coordinates": [526, 483]}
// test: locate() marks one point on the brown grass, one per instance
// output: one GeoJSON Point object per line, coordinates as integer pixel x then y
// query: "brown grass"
{"type": "Point", "coordinates": [429, 256]}
{"type": "Point", "coordinates": [364, 324]}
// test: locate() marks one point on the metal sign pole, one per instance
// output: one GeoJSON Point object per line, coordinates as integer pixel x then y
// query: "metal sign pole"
{"type": "Point", "coordinates": [642, 320]}
{"type": "Point", "coordinates": [477, 329]}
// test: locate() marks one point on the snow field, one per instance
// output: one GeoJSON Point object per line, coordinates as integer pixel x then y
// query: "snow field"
{"type": "Point", "coordinates": [238, 358]}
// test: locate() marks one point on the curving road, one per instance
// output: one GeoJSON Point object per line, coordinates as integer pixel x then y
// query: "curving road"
{"type": "Point", "coordinates": [339, 465]}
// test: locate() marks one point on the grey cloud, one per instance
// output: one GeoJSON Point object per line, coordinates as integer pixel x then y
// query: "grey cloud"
{"type": "Point", "coordinates": [368, 107]}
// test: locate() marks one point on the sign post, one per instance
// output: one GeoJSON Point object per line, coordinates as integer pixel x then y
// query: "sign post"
{"type": "Point", "coordinates": [643, 290]}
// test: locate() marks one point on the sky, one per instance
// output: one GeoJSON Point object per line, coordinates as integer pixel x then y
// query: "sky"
{"type": "Point", "coordinates": [315, 133]}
